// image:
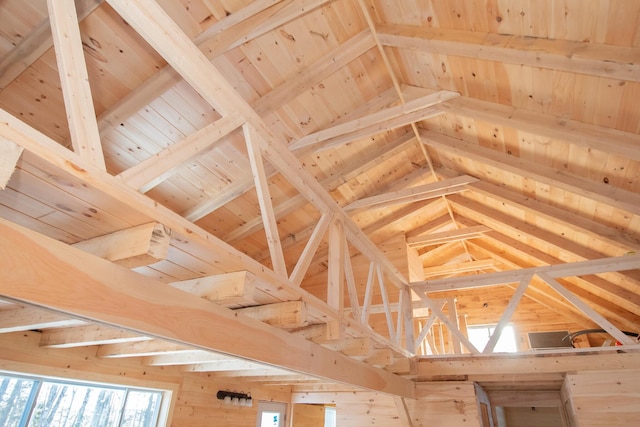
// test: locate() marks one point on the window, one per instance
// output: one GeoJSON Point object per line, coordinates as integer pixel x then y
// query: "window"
{"type": "Point", "coordinates": [479, 337]}
{"type": "Point", "coordinates": [39, 402]}
{"type": "Point", "coordinates": [271, 414]}
{"type": "Point", "coordinates": [330, 416]}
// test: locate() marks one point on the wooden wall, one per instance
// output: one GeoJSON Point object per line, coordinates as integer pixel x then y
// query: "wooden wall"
{"type": "Point", "coordinates": [451, 404]}
{"type": "Point", "coordinates": [194, 402]}
{"type": "Point", "coordinates": [603, 398]}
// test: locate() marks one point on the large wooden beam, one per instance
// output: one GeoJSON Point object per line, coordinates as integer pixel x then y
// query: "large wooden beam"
{"type": "Point", "coordinates": [110, 294]}
{"type": "Point", "coordinates": [609, 61]}
{"type": "Point", "coordinates": [74, 80]}
{"type": "Point", "coordinates": [134, 247]}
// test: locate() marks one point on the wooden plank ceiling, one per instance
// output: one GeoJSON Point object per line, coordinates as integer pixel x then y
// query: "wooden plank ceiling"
{"type": "Point", "coordinates": [439, 139]}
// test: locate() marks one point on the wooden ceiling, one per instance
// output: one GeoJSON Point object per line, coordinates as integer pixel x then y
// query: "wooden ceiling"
{"type": "Point", "coordinates": [476, 136]}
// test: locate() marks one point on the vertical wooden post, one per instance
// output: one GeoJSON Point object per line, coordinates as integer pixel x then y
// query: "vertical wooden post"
{"type": "Point", "coordinates": [335, 285]}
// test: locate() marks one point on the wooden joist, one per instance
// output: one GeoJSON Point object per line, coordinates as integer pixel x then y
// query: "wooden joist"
{"type": "Point", "coordinates": [151, 347]}
{"type": "Point", "coordinates": [134, 247]}
{"type": "Point", "coordinates": [81, 336]}
{"type": "Point", "coordinates": [29, 318]}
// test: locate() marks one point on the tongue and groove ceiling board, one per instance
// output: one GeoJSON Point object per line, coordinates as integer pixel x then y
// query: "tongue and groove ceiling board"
{"type": "Point", "coordinates": [536, 103]}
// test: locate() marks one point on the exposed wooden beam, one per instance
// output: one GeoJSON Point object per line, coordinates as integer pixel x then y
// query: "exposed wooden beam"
{"type": "Point", "coordinates": [302, 266]}
{"type": "Point", "coordinates": [252, 139]}
{"type": "Point", "coordinates": [477, 366]}
{"type": "Point", "coordinates": [374, 123]}
{"type": "Point", "coordinates": [114, 295]}
{"type": "Point", "coordinates": [595, 231]}
{"type": "Point", "coordinates": [413, 194]}
{"type": "Point", "coordinates": [81, 336]}
{"type": "Point", "coordinates": [582, 268]}
{"type": "Point", "coordinates": [615, 299]}
{"type": "Point", "coordinates": [335, 277]}
{"type": "Point", "coordinates": [58, 161]}
{"type": "Point", "coordinates": [600, 192]}
{"type": "Point", "coordinates": [9, 155]}
{"type": "Point", "coordinates": [34, 45]}
{"type": "Point", "coordinates": [506, 315]}
{"type": "Point", "coordinates": [229, 289]}
{"type": "Point", "coordinates": [256, 22]}
{"type": "Point", "coordinates": [325, 66]}
{"type": "Point", "coordinates": [157, 168]}
{"type": "Point", "coordinates": [591, 313]}
{"type": "Point", "coordinates": [459, 267]}
{"type": "Point", "coordinates": [447, 236]}
{"type": "Point", "coordinates": [244, 15]}
{"type": "Point", "coordinates": [349, 171]}
{"type": "Point", "coordinates": [609, 61]}
{"type": "Point", "coordinates": [605, 139]}
{"type": "Point", "coordinates": [134, 247]}
{"type": "Point", "coordinates": [74, 80]}
{"type": "Point", "coordinates": [151, 347]}
{"type": "Point", "coordinates": [185, 358]}
{"type": "Point", "coordinates": [30, 318]}
{"type": "Point", "coordinates": [224, 365]}
{"type": "Point", "coordinates": [284, 315]}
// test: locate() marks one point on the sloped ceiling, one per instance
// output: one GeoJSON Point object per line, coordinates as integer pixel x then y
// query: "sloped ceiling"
{"type": "Point", "coordinates": [540, 111]}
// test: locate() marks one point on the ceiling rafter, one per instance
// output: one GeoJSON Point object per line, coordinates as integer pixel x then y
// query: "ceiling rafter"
{"type": "Point", "coordinates": [36, 44]}
{"type": "Point", "coordinates": [593, 190]}
{"type": "Point", "coordinates": [615, 62]}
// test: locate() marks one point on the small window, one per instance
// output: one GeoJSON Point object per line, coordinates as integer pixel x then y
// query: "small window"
{"type": "Point", "coordinates": [40, 402]}
{"type": "Point", "coordinates": [479, 337]}
{"type": "Point", "coordinates": [271, 414]}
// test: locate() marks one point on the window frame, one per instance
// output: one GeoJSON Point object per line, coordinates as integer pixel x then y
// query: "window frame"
{"type": "Point", "coordinates": [270, 406]}
{"type": "Point", "coordinates": [161, 413]}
